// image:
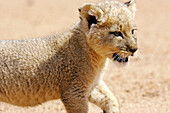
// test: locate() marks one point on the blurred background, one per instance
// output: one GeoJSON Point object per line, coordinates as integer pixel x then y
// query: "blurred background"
{"type": "Point", "coordinates": [141, 87]}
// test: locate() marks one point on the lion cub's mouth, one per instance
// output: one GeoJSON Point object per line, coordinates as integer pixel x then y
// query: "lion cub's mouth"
{"type": "Point", "coordinates": [119, 59]}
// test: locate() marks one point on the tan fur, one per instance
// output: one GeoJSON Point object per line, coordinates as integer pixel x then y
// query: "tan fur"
{"type": "Point", "coordinates": [68, 66]}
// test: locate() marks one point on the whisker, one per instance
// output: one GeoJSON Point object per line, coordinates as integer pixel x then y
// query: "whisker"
{"type": "Point", "coordinates": [111, 52]}
{"type": "Point", "coordinates": [139, 56]}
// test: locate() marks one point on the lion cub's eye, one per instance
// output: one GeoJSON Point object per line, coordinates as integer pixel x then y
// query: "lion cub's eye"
{"type": "Point", "coordinates": [117, 33]}
{"type": "Point", "coordinates": [133, 31]}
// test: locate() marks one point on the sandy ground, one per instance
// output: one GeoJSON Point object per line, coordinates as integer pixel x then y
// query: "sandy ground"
{"type": "Point", "coordinates": [141, 87]}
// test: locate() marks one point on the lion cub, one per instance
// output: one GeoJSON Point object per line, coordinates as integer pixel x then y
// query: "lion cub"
{"type": "Point", "coordinates": [68, 66]}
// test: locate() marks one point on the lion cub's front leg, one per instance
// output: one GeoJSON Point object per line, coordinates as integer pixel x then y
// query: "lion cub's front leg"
{"type": "Point", "coordinates": [102, 97]}
{"type": "Point", "coordinates": [75, 100]}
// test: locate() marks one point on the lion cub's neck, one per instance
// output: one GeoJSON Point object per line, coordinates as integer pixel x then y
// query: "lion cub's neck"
{"type": "Point", "coordinates": [77, 40]}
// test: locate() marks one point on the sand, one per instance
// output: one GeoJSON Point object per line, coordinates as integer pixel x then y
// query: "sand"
{"type": "Point", "coordinates": [141, 87]}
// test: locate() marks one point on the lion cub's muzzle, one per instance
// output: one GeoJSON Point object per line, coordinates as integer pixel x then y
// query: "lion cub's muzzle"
{"type": "Point", "coordinates": [123, 59]}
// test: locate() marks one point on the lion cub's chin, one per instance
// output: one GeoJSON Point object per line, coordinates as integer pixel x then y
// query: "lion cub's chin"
{"type": "Point", "coordinates": [121, 64]}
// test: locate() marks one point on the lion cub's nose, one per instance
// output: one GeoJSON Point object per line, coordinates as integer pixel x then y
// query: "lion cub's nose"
{"type": "Point", "coordinates": [133, 50]}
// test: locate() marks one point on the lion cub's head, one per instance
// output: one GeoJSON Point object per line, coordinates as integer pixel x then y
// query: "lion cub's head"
{"type": "Point", "coordinates": [110, 28]}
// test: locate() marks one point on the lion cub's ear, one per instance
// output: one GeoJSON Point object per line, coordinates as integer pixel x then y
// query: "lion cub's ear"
{"type": "Point", "coordinates": [132, 6]}
{"type": "Point", "coordinates": [90, 14]}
